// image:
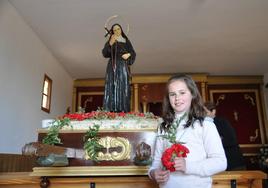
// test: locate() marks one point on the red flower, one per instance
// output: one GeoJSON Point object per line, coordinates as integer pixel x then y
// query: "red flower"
{"type": "Point", "coordinates": [103, 115]}
{"type": "Point", "coordinates": [176, 150]}
{"type": "Point", "coordinates": [122, 114]}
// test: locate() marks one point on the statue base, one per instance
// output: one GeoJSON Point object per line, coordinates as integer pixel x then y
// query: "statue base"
{"type": "Point", "coordinates": [119, 147]}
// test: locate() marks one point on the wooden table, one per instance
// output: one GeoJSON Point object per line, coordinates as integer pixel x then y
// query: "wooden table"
{"type": "Point", "coordinates": [84, 177]}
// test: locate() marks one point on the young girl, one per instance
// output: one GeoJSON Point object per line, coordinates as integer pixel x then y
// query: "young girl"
{"type": "Point", "coordinates": [206, 157]}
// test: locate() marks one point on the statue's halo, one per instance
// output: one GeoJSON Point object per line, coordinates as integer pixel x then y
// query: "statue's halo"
{"type": "Point", "coordinates": [115, 19]}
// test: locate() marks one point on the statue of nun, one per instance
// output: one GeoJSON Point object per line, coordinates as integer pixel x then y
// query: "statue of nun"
{"type": "Point", "coordinates": [121, 55]}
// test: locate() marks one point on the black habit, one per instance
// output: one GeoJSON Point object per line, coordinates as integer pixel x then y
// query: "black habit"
{"type": "Point", "coordinates": [117, 82]}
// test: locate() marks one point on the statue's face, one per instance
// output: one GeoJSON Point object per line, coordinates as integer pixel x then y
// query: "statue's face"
{"type": "Point", "coordinates": [117, 30]}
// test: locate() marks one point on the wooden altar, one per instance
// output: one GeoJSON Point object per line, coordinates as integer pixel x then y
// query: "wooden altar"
{"type": "Point", "coordinates": [130, 140]}
{"type": "Point", "coordinates": [70, 178]}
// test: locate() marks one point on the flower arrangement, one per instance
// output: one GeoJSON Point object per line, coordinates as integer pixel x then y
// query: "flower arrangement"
{"type": "Point", "coordinates": [91, 137]}
{"type": "Point", "coordinates": [91, 142]}
{"type": "Point", "coordinates": [52, 137]}
{"type": "Point", "coordinates": [101, 115]}
{"type": "Point", "coordinates": [176, 150]}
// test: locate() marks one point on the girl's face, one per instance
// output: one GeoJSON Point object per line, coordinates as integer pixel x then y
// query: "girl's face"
{"type": "Point", "coordinates": [117, 30]}
{"type": "Point", "coordinates": [180, 96]}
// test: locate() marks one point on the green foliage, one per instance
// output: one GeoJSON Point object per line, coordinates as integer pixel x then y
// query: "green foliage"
{"type": "Point", "coordinates": [170, 134]}
{"type": "Point", "coordinates": [91, 142]}
{"type": "Point", "coordinates": [91, 139]}
{"type": "Point", "coordinates": [52, 136]}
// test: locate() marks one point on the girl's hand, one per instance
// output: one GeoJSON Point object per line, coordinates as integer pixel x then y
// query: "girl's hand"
{"type": "Point", "coordinates": [179, 164]}
{"type": "Point", "coordinates": [160, 176]}
{"type": "Point", "coordinates": [126, 56]}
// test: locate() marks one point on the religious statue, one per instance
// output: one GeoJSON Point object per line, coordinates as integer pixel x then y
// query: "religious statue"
{"type": "Point", "coordinates": [121, 54]}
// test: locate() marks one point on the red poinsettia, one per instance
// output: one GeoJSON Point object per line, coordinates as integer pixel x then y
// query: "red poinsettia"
{"type": "Point", "coordinates": [176, 150]}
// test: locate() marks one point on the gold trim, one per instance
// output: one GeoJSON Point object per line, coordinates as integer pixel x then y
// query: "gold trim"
{"type": "Point", "coordinates": [253, 138]}
{"type": "Point", "coordinates": [250, 154]}
{"type": "Point", "coordinates": [259, 116]}
{"type": "Point", "coordinates": [136, 97]}
{"type": "Point", "coordinates": [256, 92]}
{"type": "Point", "coordinates": [203, 91]}
{"type": "Point", "coordinates": [113, 142]}
{"type": "Point", "coordinates": [162, 78]}
{"type": "Point", "coordinates": [247, 97]}
{"type": "Point", "coordinates": [144, 87]}
{"type": "Point", "coordinates": [131, 97]}
{"type": "Point", "coordinates": [151, 79]}
{"type": "Point", "coordinates": [89, 82]}
{"type": "Point", "coordinates": [148, 78]}
{"type": "Point", "coordinates": [252, 145]}
{"type": "Point", "coordinates": [264, 111]}
{"type": "Point", "coordinates": [144, 107]}
{"type": "Point", "coordinates": [234, 80]}
{"type": "Point", "coordinates": [144, 98]}
{"type": "Point", "coordinates": [90, 171]}
{"type": "Point", "coordinates": [74, 100]}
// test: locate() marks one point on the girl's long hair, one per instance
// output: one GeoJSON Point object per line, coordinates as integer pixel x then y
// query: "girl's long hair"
{"type": "Point", "coordinates": [196, 111]}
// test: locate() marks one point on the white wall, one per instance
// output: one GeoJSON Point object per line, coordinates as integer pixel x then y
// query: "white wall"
{"type": "Point", "coordinates": [24, 60]}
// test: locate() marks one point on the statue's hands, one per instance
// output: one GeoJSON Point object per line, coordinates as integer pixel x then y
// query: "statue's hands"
{"type": "Point", "coordinates": [126, 56]}
{"type": "Point", "coordinates": [113, 39]}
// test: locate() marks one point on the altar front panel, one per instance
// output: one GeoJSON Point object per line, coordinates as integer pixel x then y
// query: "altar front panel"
{"type": "Point", "coordinates": [74, 139]}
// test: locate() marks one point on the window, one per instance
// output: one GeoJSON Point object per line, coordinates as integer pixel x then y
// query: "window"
{"type": "Point", "coordinates": [46, 94]}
